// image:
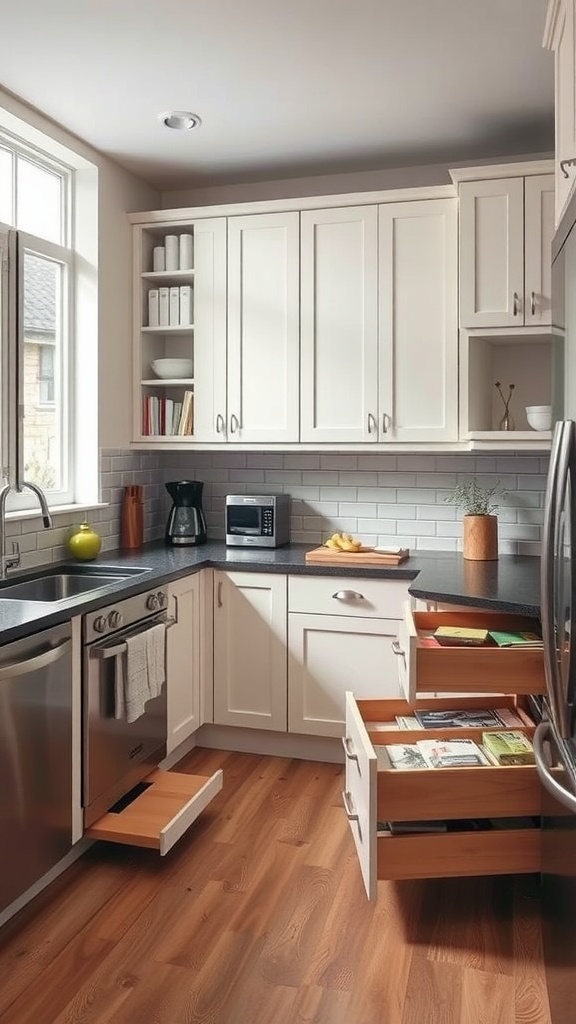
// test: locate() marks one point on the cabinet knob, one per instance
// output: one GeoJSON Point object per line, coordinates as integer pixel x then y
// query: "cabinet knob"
{"type": "Point", "coordinates": [348, 595]}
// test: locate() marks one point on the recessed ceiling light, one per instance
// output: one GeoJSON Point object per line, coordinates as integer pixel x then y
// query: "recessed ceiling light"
{"type": "Point", "coordinates": [181, 120]}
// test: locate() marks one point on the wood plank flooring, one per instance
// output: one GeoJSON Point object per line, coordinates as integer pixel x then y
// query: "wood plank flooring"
{"type": "Point", "coordinates": [258, 916]}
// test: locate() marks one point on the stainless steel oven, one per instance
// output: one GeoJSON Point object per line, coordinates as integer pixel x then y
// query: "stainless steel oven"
{"type": "Point", "coordinates": [118, 754]}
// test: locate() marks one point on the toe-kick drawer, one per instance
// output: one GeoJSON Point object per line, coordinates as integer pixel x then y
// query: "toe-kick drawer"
{"type": "Point", "coordinates": [160, 815]}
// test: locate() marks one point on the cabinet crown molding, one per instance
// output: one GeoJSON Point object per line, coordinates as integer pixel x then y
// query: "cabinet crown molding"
{"type": "Point", "coordinates": [512, 170]}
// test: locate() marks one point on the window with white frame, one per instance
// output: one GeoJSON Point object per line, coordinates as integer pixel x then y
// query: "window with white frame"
{"type": "Point", "coordinates": [36, 199]}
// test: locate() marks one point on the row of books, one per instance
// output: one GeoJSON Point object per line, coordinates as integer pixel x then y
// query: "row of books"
{"type": "Point", "coordinates": [165, 417]}
{"type": "Point", "coordinates": [497, 748]}
{"type": "Point", "coordinates": [464, 636]}
{"type": "Point", "coordinates": [505, 718]}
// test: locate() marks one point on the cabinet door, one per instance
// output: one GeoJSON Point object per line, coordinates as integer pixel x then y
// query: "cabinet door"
{"type": "Point", "coordinates": [418, 259]}
{"type": "Point", "coordinates": [327, 656]}
{"type": "Point", "coordinates": [538, 234]}
{"type": "Point", "coordinates": [210, 412]}
{"type": "Point", "coordinates": [263, 328]}
{"type": "Point", "coordinates": [183, 660]}
{"type": "Point", "coordinates": [339, 344]}
{"type": "Point", "coordinates": [250, 662]}
{"type": "Point", "coordinates": [492, 253]}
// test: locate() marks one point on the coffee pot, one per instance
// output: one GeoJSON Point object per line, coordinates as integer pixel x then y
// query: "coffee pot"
{"type": "Point", "coordinates": [186, 523]}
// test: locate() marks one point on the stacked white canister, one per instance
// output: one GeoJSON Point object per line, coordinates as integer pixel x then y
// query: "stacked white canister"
{"type": "Point", "coordinates": [172, 306]}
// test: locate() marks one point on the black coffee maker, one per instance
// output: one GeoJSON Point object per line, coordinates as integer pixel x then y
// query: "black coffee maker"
{"type": "Point", "coordinates": [186, 523]}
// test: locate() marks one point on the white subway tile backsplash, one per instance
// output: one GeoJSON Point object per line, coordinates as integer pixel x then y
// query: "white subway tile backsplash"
{"type": "Point", "coordinates": [338, 493]}
{"type": "Point", "coordinates": [357, 509]}
{"type": "Point", "coordinates": [397, 512]}
{"type": "Point", "coordinates": [378, 462]}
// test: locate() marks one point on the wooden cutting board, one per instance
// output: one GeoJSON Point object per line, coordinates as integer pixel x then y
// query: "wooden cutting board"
{"type": "Point", "coordinates": [366, 556]}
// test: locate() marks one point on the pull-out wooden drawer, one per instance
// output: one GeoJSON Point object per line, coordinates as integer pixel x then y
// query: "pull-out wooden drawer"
{"type": "Point", "coordinates": [341, 595]}
{"type": "Point", "coordinates": [166, 805]}
{"type": "Point", "coordinates": [378, 793]}
{"type": "Point", "coordinates": [425, 668]}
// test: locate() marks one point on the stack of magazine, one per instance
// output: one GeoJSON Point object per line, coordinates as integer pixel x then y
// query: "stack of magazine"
{"type": "Point", "coordinates": [499, 718]}
{"type": "Point", "coordinates": [436, 754]}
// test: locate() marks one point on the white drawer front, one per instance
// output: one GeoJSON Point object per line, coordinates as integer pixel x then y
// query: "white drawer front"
{"type": "Point", "coordinates": [341, 595]}
{"type": "Point", "coordinates": [360, 794]}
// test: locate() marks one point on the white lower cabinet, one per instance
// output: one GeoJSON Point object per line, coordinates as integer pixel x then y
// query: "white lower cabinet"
{"type": "Point", "coordinates": [340, 636]}
{"type": "Point", "coordinates": [183, 660]}
{"type": "Point", "coordinates": [250, 663]}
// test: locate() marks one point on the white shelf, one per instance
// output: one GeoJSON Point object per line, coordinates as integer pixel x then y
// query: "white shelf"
{"type": "Point", "coordinates": [180, 329]}
{"type": "Point", "coordinates": [173, 438]}
{"type": "Point", "coordinates": [169, 275]}
{"type": "Point", "coordinates": [510, 435]}
{"type": "Point", "coordinates": [169, 382]}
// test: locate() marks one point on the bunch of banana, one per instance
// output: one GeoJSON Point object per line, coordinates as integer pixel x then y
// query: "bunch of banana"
{"type": "Point", "coordinates": [343, 542]}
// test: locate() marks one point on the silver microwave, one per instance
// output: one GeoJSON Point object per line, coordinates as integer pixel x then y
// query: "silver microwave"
{"type": "Point", "coordinates": [258, 520]}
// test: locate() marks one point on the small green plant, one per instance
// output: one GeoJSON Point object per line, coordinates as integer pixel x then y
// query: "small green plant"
{"type": "Point", "coordinates": [474, 499]}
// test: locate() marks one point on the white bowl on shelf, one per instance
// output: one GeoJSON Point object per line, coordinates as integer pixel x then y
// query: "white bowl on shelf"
{"type": "Point", "coordinates": [174, 369]}
{"type": "Point", "coordinates": [539, 416]}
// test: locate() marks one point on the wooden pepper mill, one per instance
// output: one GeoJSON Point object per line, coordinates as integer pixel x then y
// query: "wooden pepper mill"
{"type": "Point", "coordinates": [132, 519]}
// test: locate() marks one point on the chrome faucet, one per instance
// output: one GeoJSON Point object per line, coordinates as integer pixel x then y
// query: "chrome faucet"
{"type": "Point", "coordinates": [12, 561]}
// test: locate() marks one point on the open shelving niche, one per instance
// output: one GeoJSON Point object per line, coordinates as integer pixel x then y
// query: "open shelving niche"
{"type": "Point", "coordinates": [533, 360]}
{"type": "Point", "coordinates": [159, 342]}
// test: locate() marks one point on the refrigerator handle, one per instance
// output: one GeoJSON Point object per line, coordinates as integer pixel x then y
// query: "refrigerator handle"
{"type": "Point", "coordinates": [557, 481]}
{"type": "Point", "coordinates": [551, 784]}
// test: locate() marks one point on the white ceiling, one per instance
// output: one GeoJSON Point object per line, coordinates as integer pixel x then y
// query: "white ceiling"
{"type": "Point", "coordinates": [285, 87]}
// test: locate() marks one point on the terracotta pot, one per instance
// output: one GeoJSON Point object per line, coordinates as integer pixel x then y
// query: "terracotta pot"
{"type": "Point", "coordinates": [480, 538]}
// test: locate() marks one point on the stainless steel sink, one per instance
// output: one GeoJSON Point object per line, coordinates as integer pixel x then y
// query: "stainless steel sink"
{"type": "Point", "coordinates": [65, 583]}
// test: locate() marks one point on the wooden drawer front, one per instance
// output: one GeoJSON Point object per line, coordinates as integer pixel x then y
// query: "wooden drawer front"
{"type": "Point", "coordinates": [487, 669]}
{"type": "Point", "coordinates": [161, 814]}
{"type": "Point", "coordinates": [360, 794]}
{"type": "Point", "coordinates": [367, 598]}
{"type": "Point", "coordinates": [443, 793]}
{"type": "Point", "coordinates": [498, 852]}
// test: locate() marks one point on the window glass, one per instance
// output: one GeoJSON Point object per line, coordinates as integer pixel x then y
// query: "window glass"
{"type": "Point", "coordinates": [38, 200]}
{"type": "Point", "coordinates": [6, 181]}
{"type": "Point", "coordinates": [42, 372]}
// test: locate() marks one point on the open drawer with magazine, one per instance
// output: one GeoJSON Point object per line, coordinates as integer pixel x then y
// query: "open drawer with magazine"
{"type": "Point", "coordinates": [422, 822]}
{"type": "Point", "coordinates": [157, 813]}
{"type": "Point", "coordinates": [424, 666]}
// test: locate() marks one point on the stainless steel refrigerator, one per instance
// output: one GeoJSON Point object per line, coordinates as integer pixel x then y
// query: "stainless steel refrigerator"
{"type": "Point", "coordinates": [555, 738]}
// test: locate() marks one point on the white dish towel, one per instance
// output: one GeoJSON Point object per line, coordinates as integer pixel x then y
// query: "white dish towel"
{"type": "Point", "coordinates": [140, 674]}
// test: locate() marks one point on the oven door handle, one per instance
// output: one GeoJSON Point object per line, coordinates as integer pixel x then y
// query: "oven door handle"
{"type": "Point", "coordinates": [116, 649]}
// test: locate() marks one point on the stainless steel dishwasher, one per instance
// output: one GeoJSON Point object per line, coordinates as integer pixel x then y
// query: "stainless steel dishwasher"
{"type": "Point", "coordinates": [35, 758]}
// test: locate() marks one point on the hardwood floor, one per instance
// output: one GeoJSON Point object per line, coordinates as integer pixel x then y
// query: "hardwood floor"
{"type": "Point", "coordinates": [258, 916]}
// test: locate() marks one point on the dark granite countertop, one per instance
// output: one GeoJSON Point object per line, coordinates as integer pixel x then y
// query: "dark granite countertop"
{"type": "Point", "coordinates": [510, 584]}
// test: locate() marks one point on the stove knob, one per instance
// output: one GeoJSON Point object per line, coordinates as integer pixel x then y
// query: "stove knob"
{"type": "Point", "coordinates": [152, 602]}
{"type": "Point", "coordinates": [100, 624]}
{"type": "Point", "coordinates": [162, 599]}
{"type": "Point", "coordinates": [115, 619]}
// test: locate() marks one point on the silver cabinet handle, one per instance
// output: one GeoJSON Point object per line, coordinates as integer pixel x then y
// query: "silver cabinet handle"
{"type": "Point", "coordinates": [532, 303]}
{"type": "Point", "coordinates": [220, 424]}
{"type": "Point", "coordinates": [398, 650]}
{"type": "Point", "coordinates": [351, 814]}
{"type": "Point", "coordinates": [567, 163]}
{"type": "Point", "coordinates": [515, 304]}
{"type": "Point", "coordinates": [348, 595]}
{"type": "Point", "coordinates": [219, 594]}
{"type": "Point", "coordinates": [386, 421]}
{"type": "Point", "coordinates": [350, 753]}
{"type": "Point", "coordinates": [21, 668]}
{"type": "Point", "coordinates": [234, 424]}
{"type": "Point", "coordinates": [174, 621]}
{"type": "Point", "coordinates": [372, 424]}
{"type": "Point", "coordinates": [548, 780]}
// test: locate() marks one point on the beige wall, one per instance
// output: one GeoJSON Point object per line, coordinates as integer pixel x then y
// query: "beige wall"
{"type": "Point", "coordinates": [119, 193]}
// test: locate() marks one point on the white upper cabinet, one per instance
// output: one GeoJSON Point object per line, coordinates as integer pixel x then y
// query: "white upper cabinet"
{"type": "Point", "coordinates": [506, 227]}
{"type": "Point", "coordinates": [210, 329]}
{"type": "Point", "coordinates": [418, 321]}
{"type": "Point", "coordinates": [263, 328]}
{"type": "Point", "coordinates": [339, 325]}
{"type": "Point", "coordinates": [560, 36]}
